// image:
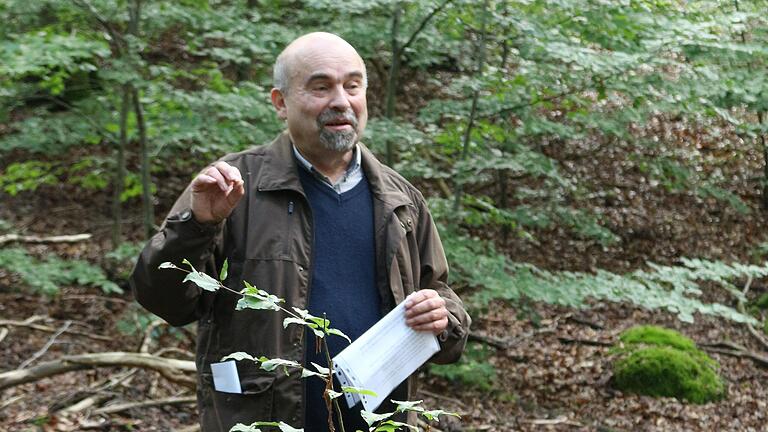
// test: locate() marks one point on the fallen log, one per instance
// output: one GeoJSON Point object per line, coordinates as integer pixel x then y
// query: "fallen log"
{"type": "Point", "coordinates": [172, 369]}
{"type": "Point", "coordinates": [10, 238]}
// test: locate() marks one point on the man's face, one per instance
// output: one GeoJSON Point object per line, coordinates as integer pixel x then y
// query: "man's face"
{"type": "Point", "coordinates": [326, 106]}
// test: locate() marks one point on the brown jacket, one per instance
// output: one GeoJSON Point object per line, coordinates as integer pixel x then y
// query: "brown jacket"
{"type": "Point", "coordinates": [267, 240]}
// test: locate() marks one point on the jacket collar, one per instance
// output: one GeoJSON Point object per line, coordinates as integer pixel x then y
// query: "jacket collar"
{"type": "Point", "coordinates": [279, 172]}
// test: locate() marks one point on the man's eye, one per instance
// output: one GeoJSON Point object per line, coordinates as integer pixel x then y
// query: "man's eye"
{"type": "Point", "coordinates": [320, 88]}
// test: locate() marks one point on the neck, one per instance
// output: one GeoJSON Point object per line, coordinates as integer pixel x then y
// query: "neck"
{"type": "Point", "coordinates": [330, 163]}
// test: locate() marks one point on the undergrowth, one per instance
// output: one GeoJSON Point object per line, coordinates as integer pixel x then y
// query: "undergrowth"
{"type": "Point", "coordinates": [47, 276]}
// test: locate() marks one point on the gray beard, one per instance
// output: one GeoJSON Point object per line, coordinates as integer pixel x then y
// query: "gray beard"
{"type": "Point", "coordinates": [338, 141]}
{"type": "Point", "coordinates": [341, 140]}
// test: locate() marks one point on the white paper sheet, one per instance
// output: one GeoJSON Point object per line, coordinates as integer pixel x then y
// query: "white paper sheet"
{"type": "Point", "coordinates": [383, 357]}
{"type": "Point", "coordinates": [225, 377]}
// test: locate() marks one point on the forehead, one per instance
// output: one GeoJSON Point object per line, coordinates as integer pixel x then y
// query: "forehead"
{"type": "Point", "coordinates": [329, 63]}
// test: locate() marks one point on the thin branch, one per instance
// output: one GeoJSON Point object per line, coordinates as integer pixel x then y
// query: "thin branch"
{"type": "Point", "coordinates": [741, 308]}
{"type": "Point", "coordinates": [30, 324]}
{"type": "Point", "coordinates": [45, 347]}
{"type": "Point", "coordinates": [105, 133]}
{"type": "Point", "coordinates": [120, 41]}
{"type": "Point", "coordinates": [759, 359]}
{"type": "Point", "coordinates": [11, 238]}
{"type": "Point", "coordinates": [177, 400]}
{"type": "Point", "coordinates": [422, 25]}
{"type": "Point", "coordinates": [580, 341]}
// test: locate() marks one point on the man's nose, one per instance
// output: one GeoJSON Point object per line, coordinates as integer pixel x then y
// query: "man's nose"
{"type": "Point", "coordinates": [340, 99]}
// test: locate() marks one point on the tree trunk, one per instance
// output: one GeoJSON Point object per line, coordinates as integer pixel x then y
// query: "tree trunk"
{"type": "Point", "coordinates": [119, 186]}
{"type": "Point", "coordinates": [394, 69]}
{"type": "Point", "coordinates": [459, 188]}
{"type": "Point", "coordinates": [146, 181]}
{"type": "Point", "coordinates": [761, 120]}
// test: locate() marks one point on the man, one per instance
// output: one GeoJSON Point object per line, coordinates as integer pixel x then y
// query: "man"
{"type": "Point", "coordinates": [315, 219]}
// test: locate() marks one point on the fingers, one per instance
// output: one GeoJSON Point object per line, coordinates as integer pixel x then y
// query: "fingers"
{"type": "Point", "coordinates": [425, 311]}
{"type": "Point", "coordinates": [215, 192]}
{"type": "Point", "coordinates": [222, 174]}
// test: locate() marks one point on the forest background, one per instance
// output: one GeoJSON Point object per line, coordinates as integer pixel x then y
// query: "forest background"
{"type": "Point", "coordinates": [592, 165]}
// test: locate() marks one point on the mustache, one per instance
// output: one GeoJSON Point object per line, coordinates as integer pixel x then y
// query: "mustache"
{"type": "Point", "coordinates": [333, 116]}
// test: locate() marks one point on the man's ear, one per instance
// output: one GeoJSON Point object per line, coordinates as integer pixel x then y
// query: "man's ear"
{"type": "Point", "coordinates": [278, 101]}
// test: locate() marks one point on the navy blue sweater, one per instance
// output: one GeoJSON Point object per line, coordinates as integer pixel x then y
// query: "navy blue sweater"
{"type": "Point", "coordinates": [343, 284]}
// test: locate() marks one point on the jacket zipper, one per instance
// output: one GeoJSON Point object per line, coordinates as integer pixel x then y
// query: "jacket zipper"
{"type": "Point", "coordinates": [308, 270]}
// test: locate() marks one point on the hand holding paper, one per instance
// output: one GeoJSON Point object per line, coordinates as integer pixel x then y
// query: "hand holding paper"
{"type": "Point", "coordinates": [386, 355]}
{"type": "Point", "coordinates": [425, 311]}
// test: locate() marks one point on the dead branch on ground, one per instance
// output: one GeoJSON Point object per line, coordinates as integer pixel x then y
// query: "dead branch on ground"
{"type": "Point", "coordinates": [45, 347]}
{"type": "Point", "coordinates": [172, 369]}
{"type": "Point", "coordinates": [110, 409]}
{"type": "Point", "coordinates": [30, 323]}
{"type": "Point", "coordinates": [10, 238]}
{"type": "Point", "coordinates": [734, 350]}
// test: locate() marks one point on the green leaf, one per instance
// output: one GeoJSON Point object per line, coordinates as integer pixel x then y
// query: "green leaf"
{"type": "Point", "coordinates": [371, 417]}
{"type": "Point", "coordinates": [432, 415]}
{"type": "Point", "coordinates": [253, 427]}
{"type": "Point", "coordinates": [244, 428]}
{"type": "Point", "coordinates": [321, 369]}
{"type": "Point", "coordinates": [292, 320]}
{"type": "Point", "coordinates": [392, 426]}
{"type": "Point", "coordinates": [308, 373]}
{"type": "Point", "coordinates": [403, 406]}
{"type": "Point", "coordinates": [271, 364]}
{"type": "Point", "coordinates": [337, 332]}
{"type": "Point", "coordinates": [224, 268]}
{"type": "Point", "coordinates": [358, 390]}
{"type": "Point", "coordinates": [238, 356]}
{"type": "Point", "coordinates": [167, 265]}
{"type": "Point", "coordinates": [202, 280]}
{"type": "Point", "coordinates": [254, 298]}
{"type": "Point", "coordinates": [287, 428]}
{"type": "Point", "coordinates": [333, 394]}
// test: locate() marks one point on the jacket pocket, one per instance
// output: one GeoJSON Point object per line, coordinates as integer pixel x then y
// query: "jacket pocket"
{"type": "Point", "coordinates": [221, 411]}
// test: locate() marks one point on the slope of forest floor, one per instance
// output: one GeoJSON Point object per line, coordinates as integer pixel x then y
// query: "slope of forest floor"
{"type": "Point", "coordinates": [553, 372]}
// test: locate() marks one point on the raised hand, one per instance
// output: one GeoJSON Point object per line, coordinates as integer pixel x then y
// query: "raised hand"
{"type": "Point", "coordinates": [425, 311]}
{"type": "Point", "coordinates": [215, 192]}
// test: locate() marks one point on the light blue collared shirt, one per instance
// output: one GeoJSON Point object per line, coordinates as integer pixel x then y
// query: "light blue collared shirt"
{"type": "Point", "coordinates": [351, 177]}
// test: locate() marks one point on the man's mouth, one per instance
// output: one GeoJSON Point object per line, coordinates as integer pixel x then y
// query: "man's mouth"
{"type": "Point", "coordinates": [338, 124]}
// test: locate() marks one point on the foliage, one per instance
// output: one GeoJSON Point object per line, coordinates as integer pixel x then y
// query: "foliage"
{"type": "Point", "coordinates": [134, 320]}
{"type": "Point", "coordinates": [661, 362]}
{"type": "Point", "coordinates": [121, 260]}
{"type": "Point", "coordinates": [675, 288]}
{"type": "Point", "coordinates": [472, 370]}
{"type": "Point", "coordinates": [48, 275]}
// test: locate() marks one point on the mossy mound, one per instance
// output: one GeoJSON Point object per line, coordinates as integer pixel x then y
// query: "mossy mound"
{"type": "Point", "coordinates": [655, 335]}
{"type": "Point", "coordinates": [660, 362]}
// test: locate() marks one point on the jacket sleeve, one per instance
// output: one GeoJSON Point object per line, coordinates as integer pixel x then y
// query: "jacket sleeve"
{"type": "Point", "coordinates": [161, 291]}
{"type": "Point", "coordinates": [434, 275]}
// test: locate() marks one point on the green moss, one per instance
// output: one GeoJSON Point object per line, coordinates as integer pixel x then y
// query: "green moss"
{"type": "Point", "coordinates": [666, 371]}
{"type": "Point", "coordinates": [659, 336]}
{"type": "Point", "coordinates": [661, 362]}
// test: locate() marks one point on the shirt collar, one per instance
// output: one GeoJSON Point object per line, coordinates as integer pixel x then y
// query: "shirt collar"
{"type": "Point", "coordinates": [352, 171]}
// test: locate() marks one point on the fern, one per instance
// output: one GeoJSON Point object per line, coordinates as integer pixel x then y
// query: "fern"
{"type": "Point", "coordinates": [673, 288]}
{"type": "Point", "coordinates": [48, 275]}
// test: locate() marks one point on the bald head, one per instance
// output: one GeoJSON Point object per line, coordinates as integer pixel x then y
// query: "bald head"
{"type": "Point", "coordinates": [290, 59]}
